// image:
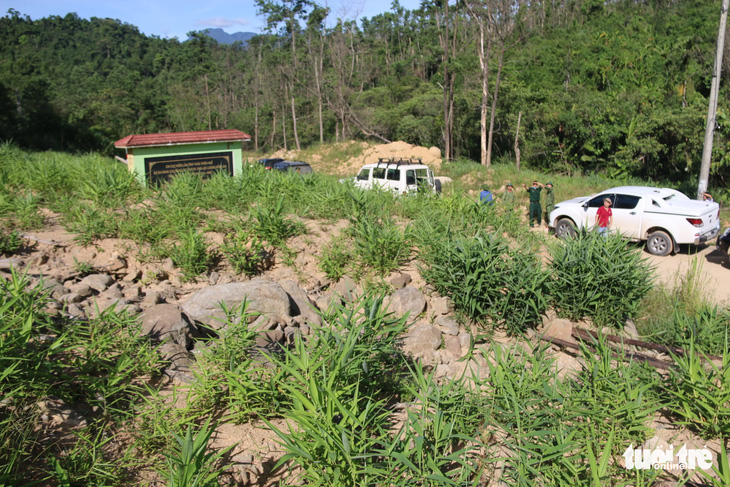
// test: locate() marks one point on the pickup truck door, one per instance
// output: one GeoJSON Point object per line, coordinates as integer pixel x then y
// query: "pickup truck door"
{"type": "Point", "coordinates": [590, 208]}
{"type": "Point", "coordinates": [628, 211]}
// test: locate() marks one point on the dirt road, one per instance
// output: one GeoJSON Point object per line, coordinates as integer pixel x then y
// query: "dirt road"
{"type": "Point", "coordinates": [714, 270]}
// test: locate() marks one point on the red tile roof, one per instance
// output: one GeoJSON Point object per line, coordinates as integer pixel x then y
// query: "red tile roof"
{"type": "Point", "coordinates": [178, 138]}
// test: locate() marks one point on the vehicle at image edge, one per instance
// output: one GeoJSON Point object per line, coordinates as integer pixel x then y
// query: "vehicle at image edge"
{"type": "Point", "coordinates": [293, 166]}
{"type": "Point", "coordinates": [402, 176]}
{"type": "Point", "coordinates": [664, 218]}
{"type": "Point", "coordinates": [268, 162]}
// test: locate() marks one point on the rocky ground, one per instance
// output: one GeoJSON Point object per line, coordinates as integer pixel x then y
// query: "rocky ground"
{"type": "Point", "coordinates": [84, 281]}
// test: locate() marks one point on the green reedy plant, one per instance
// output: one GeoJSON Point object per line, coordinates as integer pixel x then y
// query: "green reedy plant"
{"type": "Point", "coordinates": [191, 255]}
{"type": "Point", "coordinates": [88, 222]}
{"type": "Point", "coordinates": [244, 252]}
{"type": "Point", "coordinates": [599, 277]}
{"type": "Point", "coordinates": [487, 280]}
{"type": "Point", "coordinates": [10, 241]}
{"type": "Point", "coordinates": [698, 392]}
{"type": "Point", "coordinates": [336, 258]}
{"type": "Point", "coordinates": [191, 463]}
{"type": "Point", "coordinates": [235, 375]}
{"type": "Point", "coordinates": [87, 462]}
{"type": "Point", "coordinates": [338, 393]}
{"type": "Point", "coordinates": [381, 245]}
{"type": "Point", "coordinates": [273, 226]}
{"type": "Point", "coordinates": [431, 448]}
{"type": "Point", "coordinates": [620, 400]}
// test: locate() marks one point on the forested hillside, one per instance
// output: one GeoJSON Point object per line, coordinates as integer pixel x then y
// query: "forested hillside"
{"type": "Point", "coordinates": [619, 86]}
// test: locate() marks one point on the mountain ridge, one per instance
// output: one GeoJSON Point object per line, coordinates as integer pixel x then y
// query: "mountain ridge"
{"type": "Point", "coordinates": [223, 37]}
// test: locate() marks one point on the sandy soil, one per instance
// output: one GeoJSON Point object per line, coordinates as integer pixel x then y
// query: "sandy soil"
{"type": "Point", "coordinates": [713, 268]}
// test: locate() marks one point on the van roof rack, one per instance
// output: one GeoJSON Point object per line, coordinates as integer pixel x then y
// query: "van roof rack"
{"type": "Point", "coordinates": [397, 161]}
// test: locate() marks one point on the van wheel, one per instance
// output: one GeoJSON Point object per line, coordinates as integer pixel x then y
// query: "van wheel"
{"type": "Point", "coordinates": [437, 185]}
{"type": "Point", "coordinates": [659, 243]}
{"type": "Point", "coordinates": [565, 228]}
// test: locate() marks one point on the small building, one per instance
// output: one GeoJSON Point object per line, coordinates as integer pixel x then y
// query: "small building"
{"type": "Point", "coordinates": [157, 157]}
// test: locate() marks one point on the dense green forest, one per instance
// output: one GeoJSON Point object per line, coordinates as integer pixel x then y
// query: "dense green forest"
{"type": "Point", "coordinates": [618, 86]}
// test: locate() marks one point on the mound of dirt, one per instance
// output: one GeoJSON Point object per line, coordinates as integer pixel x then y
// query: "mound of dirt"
{"type": "Point", "coordinates": [429, 156]}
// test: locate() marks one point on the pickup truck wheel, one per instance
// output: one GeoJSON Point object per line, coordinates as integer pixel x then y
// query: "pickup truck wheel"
{"type": "Point", "coordinates": [565, 228]}
{"type": "Point", "coordinates": [659, 243]}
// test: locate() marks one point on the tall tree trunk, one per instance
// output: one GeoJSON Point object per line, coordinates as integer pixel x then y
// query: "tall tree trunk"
{"type": "Point", "coordinates": [517, 141]}
{"type": "Point", "coordinates": [484, 54]}
{"type": "Point", "coordinates": [493, 115]}
{"type": "Point", "coordinates": [294, 117]}
{"type": "Point", "coordinates": [207, 101]}
{"type": "Point", "coordinates": [448, 86]}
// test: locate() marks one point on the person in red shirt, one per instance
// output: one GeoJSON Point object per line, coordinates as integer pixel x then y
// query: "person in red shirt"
{"type": "Point", "coordinates": [604, 217]}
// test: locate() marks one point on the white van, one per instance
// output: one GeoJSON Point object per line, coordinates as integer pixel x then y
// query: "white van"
{"type": "Point", "coordinates": [403, 176]}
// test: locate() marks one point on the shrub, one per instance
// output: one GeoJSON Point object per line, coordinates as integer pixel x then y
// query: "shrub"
{"type": "Point", "coordinates": [192, 255]}
{"type": "Point", "coordinates": [335, 259]}
{"type": "Point", "coordinates": [699, 393]}
{"type": "Point", "coordinates": [599, 277]}
{"type": "Point", "coordinates": [381, 245]}
{"type": "Point", "coordinates": [273, 226]}
{"type": "Point", "coordinates": [487, 280]}
{"type": "Point", "coordinates": [10, 242]}
{"type": "Point", "coordinates": [244, 251]}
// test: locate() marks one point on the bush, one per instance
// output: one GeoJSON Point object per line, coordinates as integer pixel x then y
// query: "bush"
{"type": "Point", "coordinates": [10, 242]}
{"type": "Point", "coordinates": [597, 277]}
{"type": "Point", "coordinates": [487, 280]}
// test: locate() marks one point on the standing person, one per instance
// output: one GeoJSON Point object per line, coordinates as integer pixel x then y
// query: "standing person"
{"type": "Point", "coordinates": [485, 197]}
{"type": "Point", "coordinates": [707, 197]}
{"type": "Point", "coordinates": [509, 195]}
{"type": "Point", "coordinates": [549, 202]}
{"type": "Point", "coordinates": [604, 217]}
{"type": "Point", "coordinates": [535, 208]}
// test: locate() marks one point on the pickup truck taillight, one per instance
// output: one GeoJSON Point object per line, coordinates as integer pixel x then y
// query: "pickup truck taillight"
{"type": "Point", "coordinates": [695, 221]}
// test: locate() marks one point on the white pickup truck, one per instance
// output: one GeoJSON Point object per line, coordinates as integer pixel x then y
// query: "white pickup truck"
{"type": "Point", "coordinates": [662, 217]}
{"type": "Point", "coordinates": [403, 176]}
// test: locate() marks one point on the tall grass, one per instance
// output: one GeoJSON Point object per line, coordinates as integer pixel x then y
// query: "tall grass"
{"type": "Point", "coordinates": [597, 277]}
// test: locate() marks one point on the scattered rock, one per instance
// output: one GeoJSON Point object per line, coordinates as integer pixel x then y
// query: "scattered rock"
{"type": "Point", "coordinates": [14, 262]}
{"type": "Point", "coordinates": [56, 414]}
{"type": "Point", "coordinates": [213, 278]}
{"type": "Point", "coordinates": [150, 299]}
{"type": "Point", "coordinates": [98, 282]}
{"type": "Point", "coordinates": [448, 325]}
{"type": "Point", "coordinates": [265, 297]}
{"type": "Point", "coordinates": [441, 305]}
{"type": "Point", "coordinates": [300, 303]}
{"type": "Point", "coordinates": [168, 322]}
{"type": "Point", "coordinates": [132, 292]}
{"type": "Point", "coordinates": [71, 298]}
{"type": "Point", "coordinates": [408, 301]}
{"type": "Point", "coordinates": [346, 288]}
{"type": "Point", "coordinates": [54, 288]}
{"type": "Point", "coordinates": [559, 328]}
{"type": "Point", "coordinates": [81, 288]}
{"type": "Point", "coordinates": [420, 339]}
{"type": "Point", "coordinates": [327, 300]}
{"type": "Point", "coordinates": [401, 280]}
{"type": "Point", "coordinates": [132, 276]}
{"type": "Point", "coordinates": [270, 337]}
{"type": "Point", "coordinates": [452, 344]}
{"type": "Point", "coordinates": [75, 311]}
{"type": "Point", "coordinates": [115, 291]}
{"type": "Point", "coordinates": [630, 331]}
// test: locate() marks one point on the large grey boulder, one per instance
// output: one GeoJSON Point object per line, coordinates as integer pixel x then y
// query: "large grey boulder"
{"type": "Point", "coordinates": [408, 301]}
{"type": "Point", "coordinates": [264, 297]}
{"type": "Point", "coordinates": [300, 303]}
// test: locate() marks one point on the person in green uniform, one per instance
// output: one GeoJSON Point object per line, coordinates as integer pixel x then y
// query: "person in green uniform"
{"type": "Point", "coordinates": [535, 208]}
{"type": "Point", "coordinates": [549, 202]}
{"type": "Point", "coordinates": [509, 195]}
